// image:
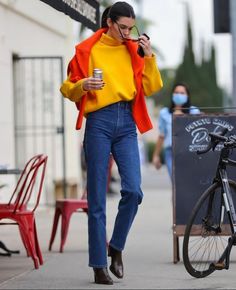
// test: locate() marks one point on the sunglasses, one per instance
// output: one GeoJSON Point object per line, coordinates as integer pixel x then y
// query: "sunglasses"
{"type": "Point", "coordinates": [134, 32]}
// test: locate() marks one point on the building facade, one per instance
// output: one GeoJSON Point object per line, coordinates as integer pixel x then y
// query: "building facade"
{"type": "Point", "coordinates": [36, 43]}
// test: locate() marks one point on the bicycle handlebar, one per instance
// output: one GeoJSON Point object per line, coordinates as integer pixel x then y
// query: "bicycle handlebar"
{"type": "Point", "coordinates": [216, 139]}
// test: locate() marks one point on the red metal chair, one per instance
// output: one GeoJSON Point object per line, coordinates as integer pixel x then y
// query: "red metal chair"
{"type": "Point", "coordinates": [65, 208]}
{"type": "Point", "coordinates": [21, 206]}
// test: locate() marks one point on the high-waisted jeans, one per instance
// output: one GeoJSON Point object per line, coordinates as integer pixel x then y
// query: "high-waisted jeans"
{"type": "Point", "coordinates": [111, 130]}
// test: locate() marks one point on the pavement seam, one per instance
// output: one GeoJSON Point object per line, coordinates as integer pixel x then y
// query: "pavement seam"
{"type": "Point", "coordinates": [14, 278]}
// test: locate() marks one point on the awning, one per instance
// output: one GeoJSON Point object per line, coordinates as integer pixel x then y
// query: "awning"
{"type": "Point", "coordinates": [84, 11]}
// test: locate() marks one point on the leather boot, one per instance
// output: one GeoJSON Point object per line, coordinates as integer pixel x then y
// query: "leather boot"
{"type": "Point", "coordinates": [101, 276]}
{"type": "Point", "coordinates": [116, 267]}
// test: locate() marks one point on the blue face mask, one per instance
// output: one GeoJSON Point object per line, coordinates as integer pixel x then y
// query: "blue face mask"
{"type": "Point", "coordinates": [179, 99]}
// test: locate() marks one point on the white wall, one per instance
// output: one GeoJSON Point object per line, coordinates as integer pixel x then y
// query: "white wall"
{"type": "Point", "coordinates": [32, 28]}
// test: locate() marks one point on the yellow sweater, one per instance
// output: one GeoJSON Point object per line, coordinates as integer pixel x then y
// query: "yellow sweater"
{"type": "Point", "coordinates": [113, 58]}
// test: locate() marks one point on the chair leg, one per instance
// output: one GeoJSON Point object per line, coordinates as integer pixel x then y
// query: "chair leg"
{"type": "Point", "coordinates": [25, 240]}
{"type": "Point", "coordinates": [65, 221]}
{"type": "Point", "coordinates": [27, 227]}
{"type": "Point", "coordinates": [24, 243]}
{"type": "Point", "coordinates": [38, 250]}
{"type": "Point", "coordinates": [3, 246]}
{"type": "Point", "coordinates": [54, 227]}
{"type": "Point", "coordinates": [5, 254]}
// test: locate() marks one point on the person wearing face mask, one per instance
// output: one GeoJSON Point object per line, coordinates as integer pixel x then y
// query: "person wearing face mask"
{"type": "Point", "coordinates": [180, 104]}
{"type": "Point", "coordinates": [114, 108]}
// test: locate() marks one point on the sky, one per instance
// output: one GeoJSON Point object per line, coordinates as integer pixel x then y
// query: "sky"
{"type": "Point", "coordinates": [168, 33]}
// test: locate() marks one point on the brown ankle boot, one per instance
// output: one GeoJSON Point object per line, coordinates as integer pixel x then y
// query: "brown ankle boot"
{"type": "Point", "coordinates": [116, 267]}
{"type": "Point", "coordinates": [101, 276]}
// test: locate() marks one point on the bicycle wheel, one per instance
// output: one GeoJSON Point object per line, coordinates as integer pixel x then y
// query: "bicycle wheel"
{"type": "Point", "coordinates": [205, 237]}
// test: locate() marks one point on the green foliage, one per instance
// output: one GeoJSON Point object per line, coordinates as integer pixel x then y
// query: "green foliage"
{"type": "Point", "coordinates": [201, 78]}
{"type": "Point", "coordinates": [163, 96]}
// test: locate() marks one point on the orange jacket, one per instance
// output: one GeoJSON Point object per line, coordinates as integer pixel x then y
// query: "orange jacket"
{"type": "Point", "coordinates": [78, 69]}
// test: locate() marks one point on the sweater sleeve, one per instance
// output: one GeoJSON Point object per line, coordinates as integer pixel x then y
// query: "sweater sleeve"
{"type": "Point", "coordinates": [72, 91]}
{"type": "Point", "coordinates": [152, 81]}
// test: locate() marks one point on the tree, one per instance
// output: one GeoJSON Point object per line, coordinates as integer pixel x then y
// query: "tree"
{"type": "Point", "coordinates": [201, 78]}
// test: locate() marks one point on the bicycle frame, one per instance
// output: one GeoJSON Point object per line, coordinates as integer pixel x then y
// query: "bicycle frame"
{"type": "Point", "coordinates": [214, 214]}
{"type": "Point", "coordinates": [221, 175]}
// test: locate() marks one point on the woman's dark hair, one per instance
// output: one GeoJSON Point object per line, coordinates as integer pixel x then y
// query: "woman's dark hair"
{"type": "Point", "coordinates": [186, 105]}
{"type": "Point", "coordinates": [120, 9]}
{"type": "Point", "coordinates": [104, 17]}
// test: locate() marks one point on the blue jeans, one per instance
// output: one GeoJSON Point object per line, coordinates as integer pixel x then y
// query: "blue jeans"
{"type": "Point", "coordinates": [111, 130]}
{"type": "Point", "coordinates": [168, 160]}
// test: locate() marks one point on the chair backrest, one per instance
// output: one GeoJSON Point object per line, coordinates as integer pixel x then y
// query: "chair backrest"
{"type": "Point", "coordinates": [30, 181]}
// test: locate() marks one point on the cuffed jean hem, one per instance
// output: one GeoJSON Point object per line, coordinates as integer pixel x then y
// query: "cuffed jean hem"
{"type": "Point", "coordinates": [116, 248]}
{"type": "Point", "coordinates": [97, 266]}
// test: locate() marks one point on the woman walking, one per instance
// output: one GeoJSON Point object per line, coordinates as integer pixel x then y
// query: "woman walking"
{"type": "Point", "coordinates": [113, 107]}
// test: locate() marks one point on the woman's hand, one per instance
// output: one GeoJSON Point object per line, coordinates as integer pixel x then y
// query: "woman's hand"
{"type": "Point", "coordinates": [145, 43]}
{"type": "Point", "coordinates": [156, 161]}
{"type": "Point", "coordinates": [93, 84]}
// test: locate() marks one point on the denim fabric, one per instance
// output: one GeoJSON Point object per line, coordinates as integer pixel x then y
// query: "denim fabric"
{"type": "Point", "coordinates": [168, 160]}
{"type": "Point", "coordinates": [165, 126]}
{"type": "Point", "coordinates": [111, 130]}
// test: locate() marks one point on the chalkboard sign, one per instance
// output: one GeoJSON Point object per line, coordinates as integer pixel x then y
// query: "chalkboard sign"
{"type": "Point", "coordinates": [192, 173]}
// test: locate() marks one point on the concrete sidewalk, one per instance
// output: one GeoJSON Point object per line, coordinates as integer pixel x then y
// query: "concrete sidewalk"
{"type": "Point", "coordinates": [147, 258]}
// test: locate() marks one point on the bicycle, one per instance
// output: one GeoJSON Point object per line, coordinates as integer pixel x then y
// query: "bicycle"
{"type": "Point", "coordinates": [206, 247]}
